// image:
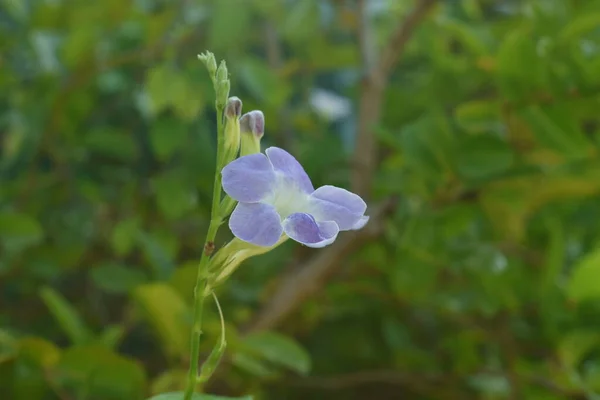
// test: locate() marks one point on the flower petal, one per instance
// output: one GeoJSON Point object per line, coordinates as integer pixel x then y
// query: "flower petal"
{"type": "Point", "coordinates": [286, 164]}
{"type": "Point", "coordinates": [330, 203]}
{"type": "Point", "coordinates": [304, 229]}
{"type": "Point", "coordinates": [249, 178]}
{"type": "Point", "coordinates": [256, 223]}
{"type": "Point", "coordinates": [361, 222]}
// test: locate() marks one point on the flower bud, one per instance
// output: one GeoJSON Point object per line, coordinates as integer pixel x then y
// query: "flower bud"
{"type": "Point", "coordinates": [222, 91]}
{"type": "Point", "coordinates": [233, 109]}
{"type": "Point", "coordinates": [209, 61]}
{"type": "Point", "coordinates": [231, 133]}
{"type": "Point", "coordinates": [252, 129]}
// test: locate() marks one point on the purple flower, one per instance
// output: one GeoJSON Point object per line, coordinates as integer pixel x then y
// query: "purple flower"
{"type": "Point", "coordinates": [276, 196]}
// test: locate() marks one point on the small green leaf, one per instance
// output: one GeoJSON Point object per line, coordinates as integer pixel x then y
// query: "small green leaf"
{"type": "Point", "coordinates": [278, 349]}
{"type": "Point", "coordinates": [167, 135]}
{"type": "Point", "coordinates": [19, 231]}
{"type": "Point", "coordinates": [583, 283]}
{"type": "Point", "coordinates": [108, 375]}
{"type": "Point", "coordinates": [579, 26]}
{"type": "Point", "coordinates": [111, 143]}
{"type": "Point", "coordinates": [556, 128]}
{"type": "Point", "coordinates": [483, 156]}
{"type": "Point", "coordinates": [252, 365]}
{"type": "Point", "coordinates": [158, 81]}
{"type": "Point", "coordinates": [124, 236]}
{"type": "Point", "coordinates": [196, 396]}
{"type": "Point", "coordinates": [157, 254]}
{"type": "Point", "coordinates": [66, 316]}
{"type": "Point", "coordinates": [174, 196]}
{"type": "Point", "coordinates": [575, 345]}
{"type": "Point", "coordinates": [168, 314]}
{"type": "Point", "coordinates": [115, 278]}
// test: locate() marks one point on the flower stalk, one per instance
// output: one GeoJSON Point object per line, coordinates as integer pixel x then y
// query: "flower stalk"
{"type": "Point", "coordinates": [202, 288]}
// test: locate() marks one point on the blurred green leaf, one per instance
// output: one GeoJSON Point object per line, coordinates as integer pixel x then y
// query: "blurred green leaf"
{"type": "Point", "coordinates": [556, 129]}
{"type": "Point", "coordinates": [519, 69]}
{"type": "Point", "coordinates": [579, 26]}
{"type": "Point", "coordinates": [196, 396]}
{"type": "Point", "coordinates": [230, 24]}
{"type": "Point", "coordinates": [575, 345]}
{"type": "Point", "coordinates": [167, 135]}
{"type": "Point", "coordinates": [168, 315]}
{"type": "Point", "coordinates": [279, 350]}
{"type": "Point", "coordinates": [253, 365]}
{"type": "Point", "coordinates": [262, 83]}
{"type": "Point", "coordinates": [124, 236]}
{"type": "Point", "coordinates": [157, 254]}
{"type": "Point", "coordinates": [483, 156]}
{"type": "Point", "coordinates": [19, 231]}
{"type": "Point", "coordinates": [111, 336]}
{"type": "Point", "coordinates": [583, 283]}
{"type": "Point", "coordinates": [102, 372]}
{"type": "Point", "coordinates": [173, 194]}
{"type": "Point", "coordinates": [66, 316]}
{"type": "Point", "coordinates": [115, 278]}
{"type": "Point", "coordinates": [110, 142]}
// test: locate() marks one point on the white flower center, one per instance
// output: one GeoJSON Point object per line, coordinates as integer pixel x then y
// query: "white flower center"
{"type": "Point", "coordinates": [288, 198]}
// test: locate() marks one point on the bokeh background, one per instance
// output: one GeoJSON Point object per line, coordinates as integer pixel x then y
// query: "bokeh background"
{"type": "Point", "coordinates": [471, 126]}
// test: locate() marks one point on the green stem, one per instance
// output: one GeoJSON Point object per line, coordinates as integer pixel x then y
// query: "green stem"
{"type": "Point", "coordinates": [201, 280]}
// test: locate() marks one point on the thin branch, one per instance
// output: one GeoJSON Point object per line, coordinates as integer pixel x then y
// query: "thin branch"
{"type": "Point", "coordinates": [373, 87]}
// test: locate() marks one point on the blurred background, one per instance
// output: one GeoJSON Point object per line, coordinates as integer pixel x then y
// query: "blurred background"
{"type": "Point", "coordinates": [470, 126]}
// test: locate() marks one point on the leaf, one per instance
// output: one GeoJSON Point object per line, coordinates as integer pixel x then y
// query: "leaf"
{"type": "Point", "coordinates": [114, 278]}
{"type": "Point", "coordinates": [39, 350]}
{"type": "Point", "coordinates": [478, 116]}
{"type": "Point", "coordinates": [575, 345]}
{"type": "Point", "coordinates": [124, 236]}
{"type": "Point", "coordinates": [111, 336]}
{"type": "Point", "coordinates": [584, 280]}
{"type": "Point", "coordinates": [19, 231]}
{"type": "Point", "coordinates": [98, 370]}
{"type": "Point", "coordinates": [578, 26]}
{"type": "Point", "coordinates": [168, 314]}
{"type": "Point", "coordinates": [519, 68]}
{"type": "Point", "coordinates": [253, 365]}
{"type": "Point", "coordinates": [157, 254]}
{"type": "Point", "coordinates": [158, 81]}
{"type": "Point", "coordinates": [302, 21]}
{"type": "Point", "coordinates": [230, 23]}
{"type": "Point", "coordinates": [262, 83]}
{"type": "Point", "coordinates": [278, 349]}
{"type": "Point", "coordinates": [557, 129]}
{"type": "Point", "coordinates": [174, 196]}
{"type": "Point", "coordinates": [112, 143]}
{"type": "Point", "coordinates": [66, 316]}
{"type": "Point", "coordinates": [483, 156]}
{"type": "Point", "coordinates": [196, 396]}
{"type": "Point", "coordinates": [167, 135]}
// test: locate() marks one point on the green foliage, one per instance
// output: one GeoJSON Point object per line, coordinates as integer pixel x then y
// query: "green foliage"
{"type": "Point", "coordinates": [179, 396]}
{"type": "Point", "coordinates": [483, 282]}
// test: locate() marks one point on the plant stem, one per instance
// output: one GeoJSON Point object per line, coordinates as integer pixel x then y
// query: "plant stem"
{"type": "Point", "coordinates": [201, 280]}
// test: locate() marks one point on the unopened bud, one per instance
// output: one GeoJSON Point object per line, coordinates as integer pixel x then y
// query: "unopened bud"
{"type": "Point", "coordinates": [233, 109]}
{"type": "Point", "coordinates": [252, 129]}
{"type": "Point", "coordinates": [231, 140]}
{"type": "Point", "coordinates": [209, 61]}
{"type": "Point", "coordinates": [222, 73]}
{"type": "Point", "coordinates": [222, 92]}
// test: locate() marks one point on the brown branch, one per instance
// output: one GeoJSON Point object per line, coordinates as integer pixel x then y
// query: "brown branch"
{"type": "Point", "coordinates": [300, 284]}
{"type": "Point", "coordinates": [373, 86]}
